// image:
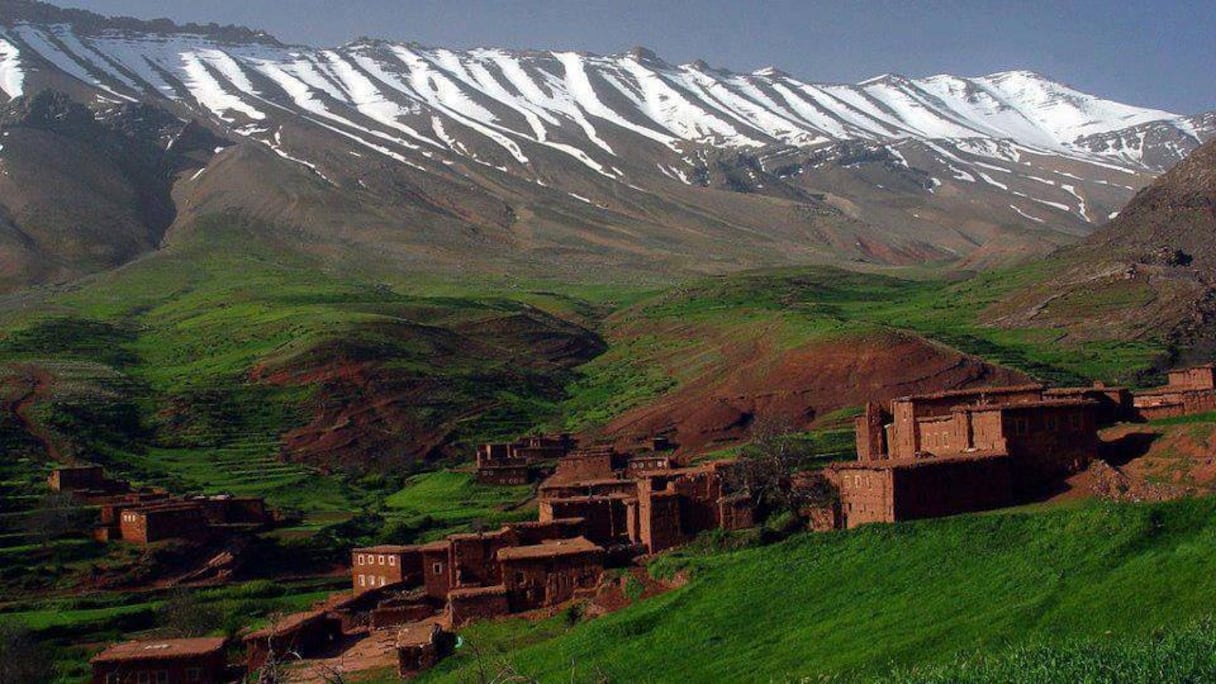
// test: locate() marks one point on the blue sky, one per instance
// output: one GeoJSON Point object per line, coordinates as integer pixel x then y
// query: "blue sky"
{"type": "Point", "coordinates": [1146, 52]}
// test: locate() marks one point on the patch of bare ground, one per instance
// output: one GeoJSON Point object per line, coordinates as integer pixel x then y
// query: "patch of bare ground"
{"type": "Point", "coordinates": [800, 385]}
{"type": "Point", "coordinates": [1141, 462]}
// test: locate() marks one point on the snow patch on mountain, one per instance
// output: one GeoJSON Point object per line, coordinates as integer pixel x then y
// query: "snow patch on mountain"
{"type": "Point", "coordinates": [12, 78]}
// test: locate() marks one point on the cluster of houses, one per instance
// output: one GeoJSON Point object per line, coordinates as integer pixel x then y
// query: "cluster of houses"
{"type": "Point", "coordinates": [919, 456]}
{"type": "Point", "coordinates": [942, 454]}
{"type": "Point", "coordinates": [148, 515]}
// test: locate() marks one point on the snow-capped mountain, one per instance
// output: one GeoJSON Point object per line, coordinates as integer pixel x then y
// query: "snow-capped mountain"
{"type": "Point", "coordinates": [546, 98]}
{"type": "Point", "coordinates": [941, 166]}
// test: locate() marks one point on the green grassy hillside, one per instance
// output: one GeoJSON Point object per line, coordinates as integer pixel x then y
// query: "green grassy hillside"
{"type": "Point", "coordinates": [1011, 587]}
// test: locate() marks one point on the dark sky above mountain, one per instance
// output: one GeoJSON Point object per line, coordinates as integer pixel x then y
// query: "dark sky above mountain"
{"type": "Point", "coordinates": [1157, 53]}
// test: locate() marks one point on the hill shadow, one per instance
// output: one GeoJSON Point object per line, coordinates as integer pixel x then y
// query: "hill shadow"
{"type": "Point", "coordinates": [1119, 452]}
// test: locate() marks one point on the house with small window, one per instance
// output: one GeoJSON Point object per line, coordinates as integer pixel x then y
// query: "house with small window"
{"type": "Point", "coordinates": [163, 661]}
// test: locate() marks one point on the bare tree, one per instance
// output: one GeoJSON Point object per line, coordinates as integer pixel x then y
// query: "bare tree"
{"type": "Point", "coordinates": [771, 469]}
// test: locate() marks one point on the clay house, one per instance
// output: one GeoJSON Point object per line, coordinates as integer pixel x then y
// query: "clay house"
{"type": "Point", "coordinates": [891, 491]}
{"type": "Point", "coordinates": [306, 634]}
{"type": "Point", "coordinates": [80, 477]}
{"type": "Point", "coordinates": [654, 511]}
{"type": "Point", "coordinates": [378, 566]}
{"type": "Point", "coordinates": [1190, 391]}
{"type": "Point", "coordinates": [595, 463]}
{"type": "Point", "coordinates": [165, 661]}
{"type": "Point", "coordinates": [420, 647]}
{"type": "Point", "coordinates": [1047, 438]}
{"type": "Point", "coordinates": [223, 510]}
{"type": "Point", "coordinates": [111, 508]}
{"type": "Point", "coordinates": [515, 463]}
{"type": "Point", "coordinates": [1038, 437]}
{"type": "Point", "coordinates": [158, 522]}
{"type": "Point", "coordinates": [550, 573]}
{"type": "Point", "coordinates": [436, 568]}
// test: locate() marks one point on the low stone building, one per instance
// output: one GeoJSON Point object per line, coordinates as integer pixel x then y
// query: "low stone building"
{"type": "Point", "coordinates": [162, 661]}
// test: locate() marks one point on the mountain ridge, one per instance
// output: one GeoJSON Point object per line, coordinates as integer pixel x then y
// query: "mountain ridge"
{"type": "Point", "coordinates": [564, 162]}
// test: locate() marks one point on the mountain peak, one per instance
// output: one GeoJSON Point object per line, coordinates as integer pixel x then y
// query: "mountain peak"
{"type": "Point", "coordinates": [645, 55]}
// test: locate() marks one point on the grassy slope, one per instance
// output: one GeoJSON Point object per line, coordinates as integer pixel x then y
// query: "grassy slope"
{"type": "Point", "coordinates": [657, 343]}
{"type": "Point", "coordinates": [919, 594]}
{"type": "Point", "coordinates": [444, 502]}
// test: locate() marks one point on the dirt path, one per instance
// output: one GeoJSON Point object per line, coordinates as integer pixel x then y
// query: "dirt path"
{"type": "Point", "coordinates": [37, 382]}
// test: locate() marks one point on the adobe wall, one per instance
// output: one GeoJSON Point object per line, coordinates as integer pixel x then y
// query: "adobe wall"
{"type": "Point", "coordinates": [473, 559]}
{"type": "Point", "coordinates": [943, 435]}
{"type": "Point", "coordinates": [1114, 404]}
{"type": "Point", "coordinates": [436, 571]}
{"type": "Point", "coordinates": [736, 513]}
{"type": "Point", "coordinates": [1201, 377]}
{"type": "Point", "coordinates": [372, 569]}
{"type": "Point", "coordinates": [1048, 443]}
{"type": "Point", "coordinates": [547, 581]}
{"type": "Point", "coordinates": [871, 433]}
{"type": "Point", "coordinates": [504, 475]}
{"type": "Point", "coordinates": [531, 533]}
{"type": "Point", "coordinates": [659, 520]}
{"type": "Point", "coordinates": [389, 616]}
{"type": "Point", "coordinates": [938, 489]}
{"type": "Point", "coordinates": [223, 511]}
{"type": "Point", "coordinates": [585, 466]}
{"type": "Point", "coordinates": [902, 437]}
{"type": "Point", "coordinates": [866, 495]}
{"type": "Point", "coordinates": [601, 487]}
{"type": "Point", "coordinates": [152, 525]}
{"type": "Point", "coordinates": [83, 477]}
{"type": "Point", "coordinates": [305, 637]}
{"type": "Point", "coordinates": [467, 606]}
{"type": "Point", "coordinates": [421, 654]}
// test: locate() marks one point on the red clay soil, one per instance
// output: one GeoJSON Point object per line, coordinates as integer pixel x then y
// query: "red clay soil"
{"type": "Point", "coordinates": [800, 385]}
{"type": "Point", "coordinates": [613, 594]}
{"type": "Point", "coordinates": [362, 418]}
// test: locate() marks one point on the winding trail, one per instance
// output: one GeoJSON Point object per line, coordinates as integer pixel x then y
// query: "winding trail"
{"type": "Point", "coordinates": [37, 381]}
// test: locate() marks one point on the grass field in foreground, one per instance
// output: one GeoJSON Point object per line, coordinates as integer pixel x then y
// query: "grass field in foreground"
{"type": "Point", "coordinates": [871, 602]}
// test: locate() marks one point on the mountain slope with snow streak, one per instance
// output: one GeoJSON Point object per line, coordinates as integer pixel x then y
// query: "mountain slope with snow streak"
{"type": "Point", "coordinates": [575, 156]}
{"type": "Point", "coordinates": [541, 96]}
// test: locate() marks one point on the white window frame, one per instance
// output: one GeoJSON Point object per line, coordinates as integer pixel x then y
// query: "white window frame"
{"type": "Point", "coordinates": [392, 560]}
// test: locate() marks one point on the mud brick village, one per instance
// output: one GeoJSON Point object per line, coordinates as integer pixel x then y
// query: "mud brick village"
{"type": "Point", "coordinates": [603, 511]}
